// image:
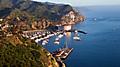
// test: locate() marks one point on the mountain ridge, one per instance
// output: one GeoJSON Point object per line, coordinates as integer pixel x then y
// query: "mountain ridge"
{"type": "Point", "coordinates": [37, 9]}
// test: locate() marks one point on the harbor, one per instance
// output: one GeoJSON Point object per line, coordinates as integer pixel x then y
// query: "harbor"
{"type": "Point", "coordinates": [44, 37]}
{"type": "Point", "coordinates": [47, 33]}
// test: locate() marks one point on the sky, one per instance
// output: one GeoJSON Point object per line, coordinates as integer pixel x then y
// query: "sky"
{"type": "Point", "coordinates": [84, 2]}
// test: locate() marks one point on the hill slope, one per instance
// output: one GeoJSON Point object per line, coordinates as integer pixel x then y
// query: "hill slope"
{"type": "Point", "coordinates": [16, 51]}
{"type": "Point", "coordinates": [36, 9]}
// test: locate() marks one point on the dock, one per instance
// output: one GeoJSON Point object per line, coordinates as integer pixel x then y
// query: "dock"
{"type": "Point", "coordinates": [66, 53]}
{"type": "Point", "coordinates": [62, 53]}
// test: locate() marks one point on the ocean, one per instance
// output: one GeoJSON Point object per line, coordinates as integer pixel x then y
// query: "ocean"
{"type": "Point", "coordinates": [101, 46]}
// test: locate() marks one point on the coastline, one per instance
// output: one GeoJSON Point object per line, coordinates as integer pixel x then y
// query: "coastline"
{"type": "Point", "coordinates": [18, 22]}
{"type": "Point", "coordinates": [66, 18]}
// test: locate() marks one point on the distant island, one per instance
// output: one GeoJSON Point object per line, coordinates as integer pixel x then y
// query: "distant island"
{"type": "Point", "coordinates": [18, 16]}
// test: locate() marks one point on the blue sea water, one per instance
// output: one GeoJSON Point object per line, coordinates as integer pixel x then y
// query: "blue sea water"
{"type": "Point", "coordinates": [101, 46]}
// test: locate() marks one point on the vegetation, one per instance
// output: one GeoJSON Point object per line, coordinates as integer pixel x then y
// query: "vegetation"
{"type": "Point", "coordinates": [17, 16]}
{"type": "Point", "coordinates": [23, 53]}
{"type": "Point", "coordinates": [36, 9]}
{"type": "Point", "coordinates": [22, 15]}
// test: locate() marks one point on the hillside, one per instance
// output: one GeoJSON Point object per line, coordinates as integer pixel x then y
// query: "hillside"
{"type": "Point", "coordinates": [22, 15]}
{"type": "Point", "coordinates": [17, 16]}
{"type": "Point", "coordinates": [16, 51]}
{"type": "Point", "coordinates": [47, 10]}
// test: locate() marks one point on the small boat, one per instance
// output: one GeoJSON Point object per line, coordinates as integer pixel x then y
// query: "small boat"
{"type": "Point", "coordinates": [37, 40]}
{"type": "Point", "coordinates": [44, 42]}
{"type": "Point", "coordinates": [76, 31]}
{"type": "Point", "coordinates": [57, 41]}
{"type": "Point", "coordinates": [76, 36]}
{"type": "Point", "coordinates": [60, 36]}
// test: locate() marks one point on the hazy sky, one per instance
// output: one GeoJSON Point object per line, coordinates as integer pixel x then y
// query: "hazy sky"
{"type": "Point", "coordinates": [85, 2]}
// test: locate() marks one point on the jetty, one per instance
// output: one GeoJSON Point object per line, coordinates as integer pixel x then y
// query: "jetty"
{"type": "Point", "coordinates": [62, 53]}
{"type": "Point", "coordinates": [66, 53]}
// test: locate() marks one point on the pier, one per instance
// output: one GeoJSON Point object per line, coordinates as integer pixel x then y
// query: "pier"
{"type": "Point", "coordinates": [62, 53]}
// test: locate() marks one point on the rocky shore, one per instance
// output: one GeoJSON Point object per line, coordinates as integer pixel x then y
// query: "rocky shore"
{"type": "Point", "coordinates": [71, 17]}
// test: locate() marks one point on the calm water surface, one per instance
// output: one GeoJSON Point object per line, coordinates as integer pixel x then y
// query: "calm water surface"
{"type": "Point", "coordinates": [101, 46]}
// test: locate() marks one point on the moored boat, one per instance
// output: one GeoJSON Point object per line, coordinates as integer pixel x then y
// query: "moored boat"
{"type": "Point", "coordinates": [57, 41]}
{"type": "Point", "coordinates": [76, 36]}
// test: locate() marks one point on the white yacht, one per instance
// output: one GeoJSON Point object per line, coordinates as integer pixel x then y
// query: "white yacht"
{"type": "Point", "coordinates": [76, 38]}
{"type": "Point", "coordinates": [60, 36]}
{"type": "Point", "coordinates": [44, 42]}
{"type": "Point", "coordinates": [57, 41]}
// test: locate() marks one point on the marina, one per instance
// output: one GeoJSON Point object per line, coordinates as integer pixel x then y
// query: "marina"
{"type": "Point", "coordinates": [49, 33]}
{"type": "Point", "coordinates": [44, 37]}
